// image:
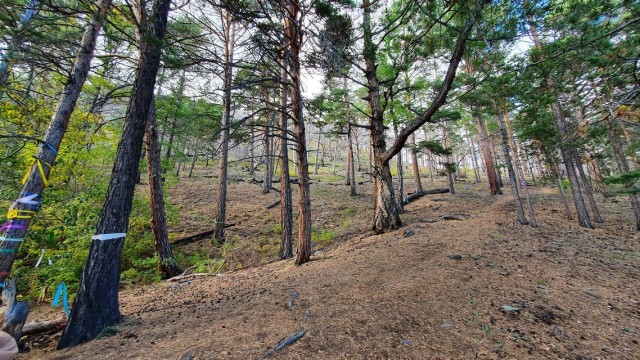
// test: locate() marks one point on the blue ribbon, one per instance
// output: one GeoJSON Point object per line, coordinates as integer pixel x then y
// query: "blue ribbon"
{"type": "Point", "coordinates": [61, 291]}
{"type": "Point", "coordinates": [50, 147]}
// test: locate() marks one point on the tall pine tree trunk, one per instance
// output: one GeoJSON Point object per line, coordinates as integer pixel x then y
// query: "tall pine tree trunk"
{"type": "Point", "coordinates": [318, 144]}
{"type": "Point", "coordinates": [24, 208]}
{"type": "Point", "coordinates": [286, 202]}
{"type": "Point", "coordinates": [492, 176]}
{"type": "Point", "coordinates": [96, 304]}
{"type": "Point", "coordinates": [416, 166]}
{"type": "Point", "coordinates": [400, 176]}
{"type": "Point", "coordinates": [449, 164]}
{"type": "Point", "coordinates": [293, 34]}
{"type": "Point", "coordinates": [229, 41]}
{"type": "Point", "coordinates": [385, 214]}
{"type": "Point", "coordinates": [194, 159]}
{"type": "Point", "coordinates": [268, 156]}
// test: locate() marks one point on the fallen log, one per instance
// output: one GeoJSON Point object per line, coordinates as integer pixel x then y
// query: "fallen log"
{"type": "Point", "coordinates": [196, 237]}
{"type": "Point", "coordinates": [37, 327]}
{"type": "Point", "coordinates": [285, 342]}
{"type": "Point", "coordinates": [273, 204]}
{"type": "Point", "coordinates": [418, 195]}
{"type": "Point", "coordinates": [459, 217]}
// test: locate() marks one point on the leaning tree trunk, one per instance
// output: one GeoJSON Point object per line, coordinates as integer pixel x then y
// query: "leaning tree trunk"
{"type": "Point", "coordinates": [168, 264]}
{"type": "Point", "coordinates": [623, 166]}
{"type": "Point", "coordinates": [492, 176]}
{"type": "Point", "coordinates": [520, 180]}
{"type": "Point", "coordinates": [512, 174]}
{"type": "Point", "coordinates": [221, 211]}
{"type": "Point", "coordinates": [293, 34]}
{"type": "Point", "coordinates": [24, 208]}
{"type": "Point", "coordinates": [96, 304]}
{"type": "Point", "coordinates": [286, 202]}
{"type": "Point", "coordinates": [586, 185]}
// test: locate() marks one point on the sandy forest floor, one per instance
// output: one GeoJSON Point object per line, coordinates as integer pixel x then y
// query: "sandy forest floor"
{"type": "Point", "coordinates": [390, 296]}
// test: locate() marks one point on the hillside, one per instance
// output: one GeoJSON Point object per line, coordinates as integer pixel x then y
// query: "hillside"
{"type": "Point", "coordinates": [396, 296]}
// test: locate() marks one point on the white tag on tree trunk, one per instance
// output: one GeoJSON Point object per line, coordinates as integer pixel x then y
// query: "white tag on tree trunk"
{"type": "Point", "coordinates": [108, 236]}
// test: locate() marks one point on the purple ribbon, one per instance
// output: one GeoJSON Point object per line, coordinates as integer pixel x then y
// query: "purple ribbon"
{"type": "Point", "coordinates": [9, 225]}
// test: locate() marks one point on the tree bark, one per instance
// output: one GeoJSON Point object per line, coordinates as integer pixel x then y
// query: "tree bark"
{"type": "Point", "coordinates": [294, 34]}
{"type": "Point", "coordinates": [21, 212]}
{"type": "Point", "coordinates": [286, 201]}
{"type": "Point", "coordinates": [168, 264]}
{"type": "Point", "coordinates": [229, 42]}
{"type": "Point", "coordinates": [96, 304]}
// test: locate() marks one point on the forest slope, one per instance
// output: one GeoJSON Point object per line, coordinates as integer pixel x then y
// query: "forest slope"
{"type": "Point", "coordinates": [397, 296]}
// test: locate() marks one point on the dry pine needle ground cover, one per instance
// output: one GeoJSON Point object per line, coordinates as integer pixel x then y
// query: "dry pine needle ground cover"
{"type": "Point", "coordinates": [571, 292]}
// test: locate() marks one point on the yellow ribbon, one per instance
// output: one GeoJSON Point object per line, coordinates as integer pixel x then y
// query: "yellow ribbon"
{"type": "Point", "coordinates": [38, 162]}
{"type": "Point", "coordinates": [20, 214]}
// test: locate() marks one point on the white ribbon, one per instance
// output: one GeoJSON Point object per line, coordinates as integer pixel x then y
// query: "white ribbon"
{"type": "Point", "coordinates": [40, 259]}
{"type": "Point", "coordinates": [108, 236]}
{"type": "Point", "coordinates": [29, 200]}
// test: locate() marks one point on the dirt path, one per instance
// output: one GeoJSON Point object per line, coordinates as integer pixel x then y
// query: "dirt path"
{"type": "Point", "coordinates": [393, 296]}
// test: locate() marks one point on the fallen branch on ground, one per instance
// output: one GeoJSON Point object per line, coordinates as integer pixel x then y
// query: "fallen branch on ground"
{"type": "Point", "coordinates": [285, 342]}
{"type": "Point", "coordinates": [418, 195]}
{"type": "Point", "coordinates": [37, 327]}
{"type": "Point", "coordinates": [196, 237]}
